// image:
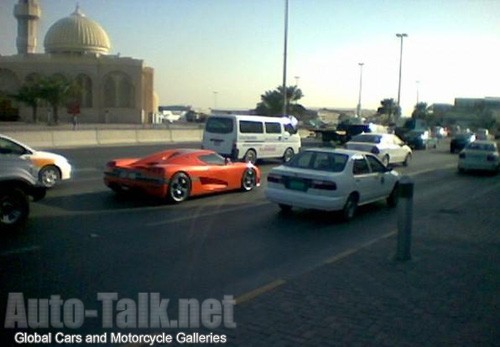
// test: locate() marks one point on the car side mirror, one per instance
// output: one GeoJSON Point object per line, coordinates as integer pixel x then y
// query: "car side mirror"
{"type": "Point", "coordinates": [227, 161]}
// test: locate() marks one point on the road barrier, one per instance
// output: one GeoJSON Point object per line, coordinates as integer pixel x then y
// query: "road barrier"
{"type": "Point", "coordinates": [94, 137]}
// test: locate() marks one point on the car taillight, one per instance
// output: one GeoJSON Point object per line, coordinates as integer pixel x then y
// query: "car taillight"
{"type": "Point", "coordinates": [325, 185]}
{"type": "Point", "coordinates": [461, 155]}
{"type": "Point", "coordinates": [274, 178]}
{"type": "Point", "coordinates": [375, 150]}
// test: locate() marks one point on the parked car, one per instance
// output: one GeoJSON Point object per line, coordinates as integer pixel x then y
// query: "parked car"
{"type": "Point", "coordinates": [18, 183]}
{"type": "Point", "coordinates": [420, 139]}
{"type": "Point", "coordinates": [459, 141]}
{"type": "Point", "coordinates": [389, 148]}
{"type": "Point", "coordinates": [479, 155]}
{"type": "Point", "coordinates": [331, 180]}
{"type": "Point", "coordinates": [177, 174]}
{"type": "Point", "coordinates": [52, 167]}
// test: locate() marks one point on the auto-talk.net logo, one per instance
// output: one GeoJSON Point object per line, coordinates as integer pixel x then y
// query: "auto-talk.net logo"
{"type": "Point", "coordinates": [147, 311]}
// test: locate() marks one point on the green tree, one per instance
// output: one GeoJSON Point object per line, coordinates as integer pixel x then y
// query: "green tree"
{"type": "Point", "coordinates": [272, 102]}
{"type": "Point", "coordinates": [29, 94]}
{"type": "Point", "coordinates": [57, 90]}
{"type": "Point", "coordinates": [421, 111]}
{"type": "Point", "coordinates": [387, 111]}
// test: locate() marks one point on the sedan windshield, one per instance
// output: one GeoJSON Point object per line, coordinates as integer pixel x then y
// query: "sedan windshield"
{"type": "Point", "coordinates": [367, 138]}
{"type": "Point", "coordinates": [318, 160]}
{"type": "Point", "coordinates": [489, 147]}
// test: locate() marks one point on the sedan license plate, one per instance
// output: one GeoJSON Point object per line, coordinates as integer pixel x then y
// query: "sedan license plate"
{"type": "Point", "coordinates": [297, 185]}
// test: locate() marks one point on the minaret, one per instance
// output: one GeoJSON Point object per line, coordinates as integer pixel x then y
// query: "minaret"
{"type": "Point", "coordinates": [27, 13]}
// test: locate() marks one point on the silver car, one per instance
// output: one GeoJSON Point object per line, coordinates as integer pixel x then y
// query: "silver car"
{"type": "Point", "coordinates": [389, 148]}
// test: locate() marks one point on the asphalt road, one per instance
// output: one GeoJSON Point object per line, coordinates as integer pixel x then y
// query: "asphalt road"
{"type": "Point", "coordinates": [82, 239]}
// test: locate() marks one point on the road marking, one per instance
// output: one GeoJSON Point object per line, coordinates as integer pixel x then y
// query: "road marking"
{"type": "Point", "coordinates": [353, 250]}
{"type": "Point", "coordinates": [259, 291]}
{"type": "Point", "coordinates": [207, 214]}
{"type": "Point", "coordinates": [20, 251]}
{"type": "Point", "coordinates": [416, 173]}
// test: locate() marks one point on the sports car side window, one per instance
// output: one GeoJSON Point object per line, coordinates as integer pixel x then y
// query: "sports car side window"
{"type": "Point", "coordinates": [212, 159]}
{"type": "Point", "coordinates": [360, 167]}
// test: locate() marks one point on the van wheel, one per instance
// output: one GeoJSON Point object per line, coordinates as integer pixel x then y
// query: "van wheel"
{"type": "Point", "coordinates": [289, 153]}
{"type": "Point", "coordinates": [250, 156]}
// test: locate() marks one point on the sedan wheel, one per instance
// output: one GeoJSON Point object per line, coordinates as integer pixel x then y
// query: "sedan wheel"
{"type": "Point", "coordinates": [49, 176]}
{"type": "Point", "coordinates": [14, 209]}
{"type": "Point", "coordinates": [179, 187]}
{"type": "Point", "coordinates": [350, 208]}
{"type": "Point", "coordinates": [289, 153]}
{"type": "Point", "coordinates": [248, 180]}
{"type": "Point", "coordinates": [407, 160]}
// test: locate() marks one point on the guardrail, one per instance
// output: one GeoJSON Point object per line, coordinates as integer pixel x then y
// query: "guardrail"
{"type": "Point", "coordinates": [95, 137]}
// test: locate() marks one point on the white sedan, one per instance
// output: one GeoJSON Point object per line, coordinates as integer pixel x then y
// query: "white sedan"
{"type": "Point", "coordinates": [479, 155]}
{"type": "Point", "coordinates": [389, 148]}
{"type": "Point", "coordinates": [331, 180]}
{"type": "Point", "coordinates": [52, 167]}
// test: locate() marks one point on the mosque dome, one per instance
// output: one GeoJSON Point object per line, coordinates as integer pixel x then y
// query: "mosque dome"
{"type": "Point", "coordinates": [76, 34]}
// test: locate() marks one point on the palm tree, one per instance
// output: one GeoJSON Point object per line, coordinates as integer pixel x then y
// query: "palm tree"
{"type": "Point", "coordinates": [388, 108]}
{"type": "Point", "coordinates": [56, 90]}
{"type": "Point", "coordinates": [272, 101]}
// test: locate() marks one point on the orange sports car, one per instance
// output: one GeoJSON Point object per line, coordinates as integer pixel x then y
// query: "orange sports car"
{"type": "Point", "coordinates": [177, 174]}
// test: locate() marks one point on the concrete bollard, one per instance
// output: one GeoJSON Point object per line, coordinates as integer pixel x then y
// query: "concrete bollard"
{"type": "Point", "coordinates": [405, 218]}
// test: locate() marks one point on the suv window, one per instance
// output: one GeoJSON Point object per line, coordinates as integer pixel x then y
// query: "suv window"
{"type": "Point", "coordinates": [9, 147]}
{"type": "Point", "coordinates": [251, 127]}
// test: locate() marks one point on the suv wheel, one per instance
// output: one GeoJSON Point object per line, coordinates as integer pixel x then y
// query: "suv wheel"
{"type": "Point", "coordinates": [14, 209]}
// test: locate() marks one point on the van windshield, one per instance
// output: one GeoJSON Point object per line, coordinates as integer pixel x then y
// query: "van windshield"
{"type": "Point", "coordinates": [219, 125]}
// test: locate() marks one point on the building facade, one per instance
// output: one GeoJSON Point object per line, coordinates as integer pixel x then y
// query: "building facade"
{"type": "Point", "coordinates": [113, 89]}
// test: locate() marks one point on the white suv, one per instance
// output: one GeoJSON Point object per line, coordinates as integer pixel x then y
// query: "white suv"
{"type": "Point", "coordinates": [388, 147]}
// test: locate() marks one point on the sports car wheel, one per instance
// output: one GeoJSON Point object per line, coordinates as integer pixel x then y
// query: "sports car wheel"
{"type": "Point", "coordinates": [179, 188]}
{"type": "Point", "coordinates": [249, 180]}
{"type": "Point", "coordinates": [350, 208]}
{"type": "Point", "coordinates": [250, 156]}
{"type": "Point", "coordinates": [288, 155]}
{"type": "Point", "coordinates": [49, 176]}
{"type": "Point", "coordinates": [14, 209]}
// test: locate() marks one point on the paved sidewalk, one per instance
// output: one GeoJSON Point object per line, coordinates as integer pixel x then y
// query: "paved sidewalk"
{"type": "Point", "coordinates": [447, 295]}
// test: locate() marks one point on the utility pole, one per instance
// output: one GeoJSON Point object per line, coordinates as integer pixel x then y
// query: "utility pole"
{"type": "Point", "coordinates": [285, 101]}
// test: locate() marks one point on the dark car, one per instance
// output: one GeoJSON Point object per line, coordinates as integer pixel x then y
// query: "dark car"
{"type": "Point", "coordinates": [18, 183]}
{"type": "Point", "coordinates": [459, 141]}
{"type": "Point", "coordinates": [420, 139]}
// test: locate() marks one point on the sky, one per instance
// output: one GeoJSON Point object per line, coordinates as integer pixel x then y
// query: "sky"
{"type": "Point", "coordinates": [226, 53]}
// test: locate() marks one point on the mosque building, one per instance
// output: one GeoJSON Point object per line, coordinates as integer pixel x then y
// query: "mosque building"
{"type": "Point", "coordinates": [113, 89]}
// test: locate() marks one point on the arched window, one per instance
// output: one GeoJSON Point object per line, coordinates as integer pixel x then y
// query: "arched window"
{"type": "Point", "coordinates": [118, 90]}
{"type": "Point", "coordinates": [84, 84]}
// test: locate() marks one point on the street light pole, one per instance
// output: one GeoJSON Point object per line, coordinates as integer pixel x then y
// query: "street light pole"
{"type": "Point", "coordinates": [401, 36]}
{"type": "Point", "coordinates": [285, 106]}
{"type": "Point", "coordinates": [358, 111]}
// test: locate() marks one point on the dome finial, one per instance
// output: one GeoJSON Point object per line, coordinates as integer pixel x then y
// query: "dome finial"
{"type": "Point", "coordinates": [78, 12]}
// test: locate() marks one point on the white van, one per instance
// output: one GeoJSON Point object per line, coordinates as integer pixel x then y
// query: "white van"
{"type": "Point", "coordinates": [248, 138]}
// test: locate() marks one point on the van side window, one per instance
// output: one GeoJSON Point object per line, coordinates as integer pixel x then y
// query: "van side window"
{"type": "Point", "coordinates": [273, 128]}
{"type": "Point", "coordinates": [250, 127]}
{"type": "Point", "coordinates": [290, 129]}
